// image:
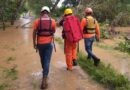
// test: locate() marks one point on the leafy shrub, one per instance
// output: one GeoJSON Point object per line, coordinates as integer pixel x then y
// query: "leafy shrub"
{"type": "Point", "coordinates": [104, 31]}
{"type": "Point", "coordinates": [122, 19]}
{"type": "Point", "coordinates": [124, 47]}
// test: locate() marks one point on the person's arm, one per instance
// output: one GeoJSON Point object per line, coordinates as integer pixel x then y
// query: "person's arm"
{"type": "Point", "coordinates": [61, 20]}
{"type": "Point", "coordinates": [35, 34]}
{"type": "Point", "coordinates": [53, 25]}
{"type": "Point", "coordinates": [97, 31]}
{"type": "Point", "coordinates": [35, 39]}
{"type": "Point", "coordinates": [83, 23]}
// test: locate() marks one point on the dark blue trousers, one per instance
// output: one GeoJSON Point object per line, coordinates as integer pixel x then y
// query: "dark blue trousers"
{"type": "Point", "coordinates": [45, 52]}
{"type": "Point", "coordinates": [88, 47]}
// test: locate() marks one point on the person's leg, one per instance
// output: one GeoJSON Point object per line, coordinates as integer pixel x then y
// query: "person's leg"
{"type": "Point", "coordinates": [42, 58]}
{"type": "Point", "coordinates": [68, 54]}
{"type": "Point", "coordinates": [74, 54]}
{"type": "Point", "coordinates": [48, 53]}
{"type": "Point", "coordinates": [45, 52]}
{"type": "Point", "coordinates": [88, 47]}
{"type": "Point", "coordinates": [95, 58]}
{"type": "Point", "coordinates": [41, 54]}
{"type": "Point", "coordinates": [88, 44]}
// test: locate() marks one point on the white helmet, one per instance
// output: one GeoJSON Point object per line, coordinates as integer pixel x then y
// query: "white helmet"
{"type": "Point", "coordinates": [45, 8]}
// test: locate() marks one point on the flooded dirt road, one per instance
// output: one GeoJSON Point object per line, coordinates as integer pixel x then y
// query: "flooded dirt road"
{"type": "Point", "coordinates": [17, 50]}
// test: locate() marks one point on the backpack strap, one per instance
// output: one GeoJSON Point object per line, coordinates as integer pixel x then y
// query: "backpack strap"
{"type": "Point", "coordinates": [49, 31]}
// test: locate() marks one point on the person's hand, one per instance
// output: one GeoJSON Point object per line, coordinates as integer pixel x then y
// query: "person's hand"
{"type": "Point", "coordinates": [97, 39]}
{"type": "Point", "coordinates": [35, 46]}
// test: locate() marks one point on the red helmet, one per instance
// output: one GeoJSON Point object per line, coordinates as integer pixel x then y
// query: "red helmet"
{"type": "Point", "coordinates": [88, 10]}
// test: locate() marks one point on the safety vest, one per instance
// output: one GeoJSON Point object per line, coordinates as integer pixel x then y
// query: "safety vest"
{"type": "Point", "coordinates": [44, 27]}
{"type": "Point", "coordinates": [90, 25]}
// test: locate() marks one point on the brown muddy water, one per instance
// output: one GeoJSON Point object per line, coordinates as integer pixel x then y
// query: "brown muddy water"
{"type": "Point", "coordinates": [16, 43]}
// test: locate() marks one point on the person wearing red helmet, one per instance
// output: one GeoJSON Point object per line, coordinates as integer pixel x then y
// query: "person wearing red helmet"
{"type": "Point", "coordinates": [90, 28]}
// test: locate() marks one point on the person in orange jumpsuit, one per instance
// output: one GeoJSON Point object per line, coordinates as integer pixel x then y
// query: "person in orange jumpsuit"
{"type": "Point", "coordinates": [69, 47]}
{"type": "Point", "coordinates": [43, 30]}
{"type": "Point", "coordinates": [91, 31]}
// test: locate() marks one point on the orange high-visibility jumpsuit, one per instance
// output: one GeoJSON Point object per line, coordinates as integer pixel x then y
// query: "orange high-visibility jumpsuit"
{"type": "Point", "coordinates": [70, 53]}
{"type": "Point", "coordinates": [70, 50]}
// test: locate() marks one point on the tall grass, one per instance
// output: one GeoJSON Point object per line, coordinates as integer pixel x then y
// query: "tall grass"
{"type": "Point", "coordinates": [105, 75]}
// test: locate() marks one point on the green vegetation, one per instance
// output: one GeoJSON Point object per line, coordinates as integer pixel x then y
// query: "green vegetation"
{"type": "Point", "coordinates": [10, 11]}
{"type": "Point", "coordinates": [36, 5]}
{"type": "Point", "coordinates": [10, 59]}
{"type": "Point", "coordinates": [59, 40]}
{"type": "Point", "coordinates": [124, 46]}
{"type": "Point", "coordinates": [7, 76]}
{"type": "Point", "coordinates": [104, 46]}
{"type": "Point", "coordinates": [3, 86]}
{"type": "Point", "coordinates": [11, 73]}
{"type": "Point", "coordinates": [104, 28]}
{"type": "Point", "coordinates": [34, 84]}
{"type": "Point", "coordinates": [115, 11]}
{"type": "Point", "coordinates": [105, 75]}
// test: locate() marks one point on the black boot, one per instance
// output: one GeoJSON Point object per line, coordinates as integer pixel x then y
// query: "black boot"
{"type": "Point", "coordinates": [44, 83]}
{"type": "Point", "coordinates": [75, 62]}
{"type": "Point", "coordinates": [96, 61]}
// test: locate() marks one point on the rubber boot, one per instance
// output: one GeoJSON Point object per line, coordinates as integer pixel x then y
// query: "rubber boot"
{"type": "Point", "coordinates": [96, 61]}
{"type": "Point", "coordinates": [44, 83]}
{"type": "Point", "coordinates": [75, 62]}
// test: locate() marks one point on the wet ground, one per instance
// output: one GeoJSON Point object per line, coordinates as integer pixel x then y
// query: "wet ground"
{"type": "Point", "coordinates": [16, 43]}
{"type": "Point", "coordinates": [120, 61]}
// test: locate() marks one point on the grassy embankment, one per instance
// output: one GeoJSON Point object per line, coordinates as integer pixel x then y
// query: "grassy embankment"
{"type": "Point", "coordinates": [104, 75]}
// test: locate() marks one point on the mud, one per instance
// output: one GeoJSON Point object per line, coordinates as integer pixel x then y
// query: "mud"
{"type": "Point", "coordinates": [17, 43]}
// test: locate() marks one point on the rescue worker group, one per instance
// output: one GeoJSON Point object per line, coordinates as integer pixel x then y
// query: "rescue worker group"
{"type": "Point", "coordinates": [73, 31]}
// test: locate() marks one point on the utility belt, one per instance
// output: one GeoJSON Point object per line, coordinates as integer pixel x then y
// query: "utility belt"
{"type": "Point", "coordinates": [89, 31]}
{"type": "Point", "coordinates": [45, 32]}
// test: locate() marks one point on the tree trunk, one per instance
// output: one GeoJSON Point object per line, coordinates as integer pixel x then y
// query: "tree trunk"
{"type": "Point", "coordinates": [3, 26]}
{"type": "Point", "coordinates": [3, 23]}
{"type": "Point", "coordinates": [18, 6]}
{"type": "Point", "coordinates": [12, 20]}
